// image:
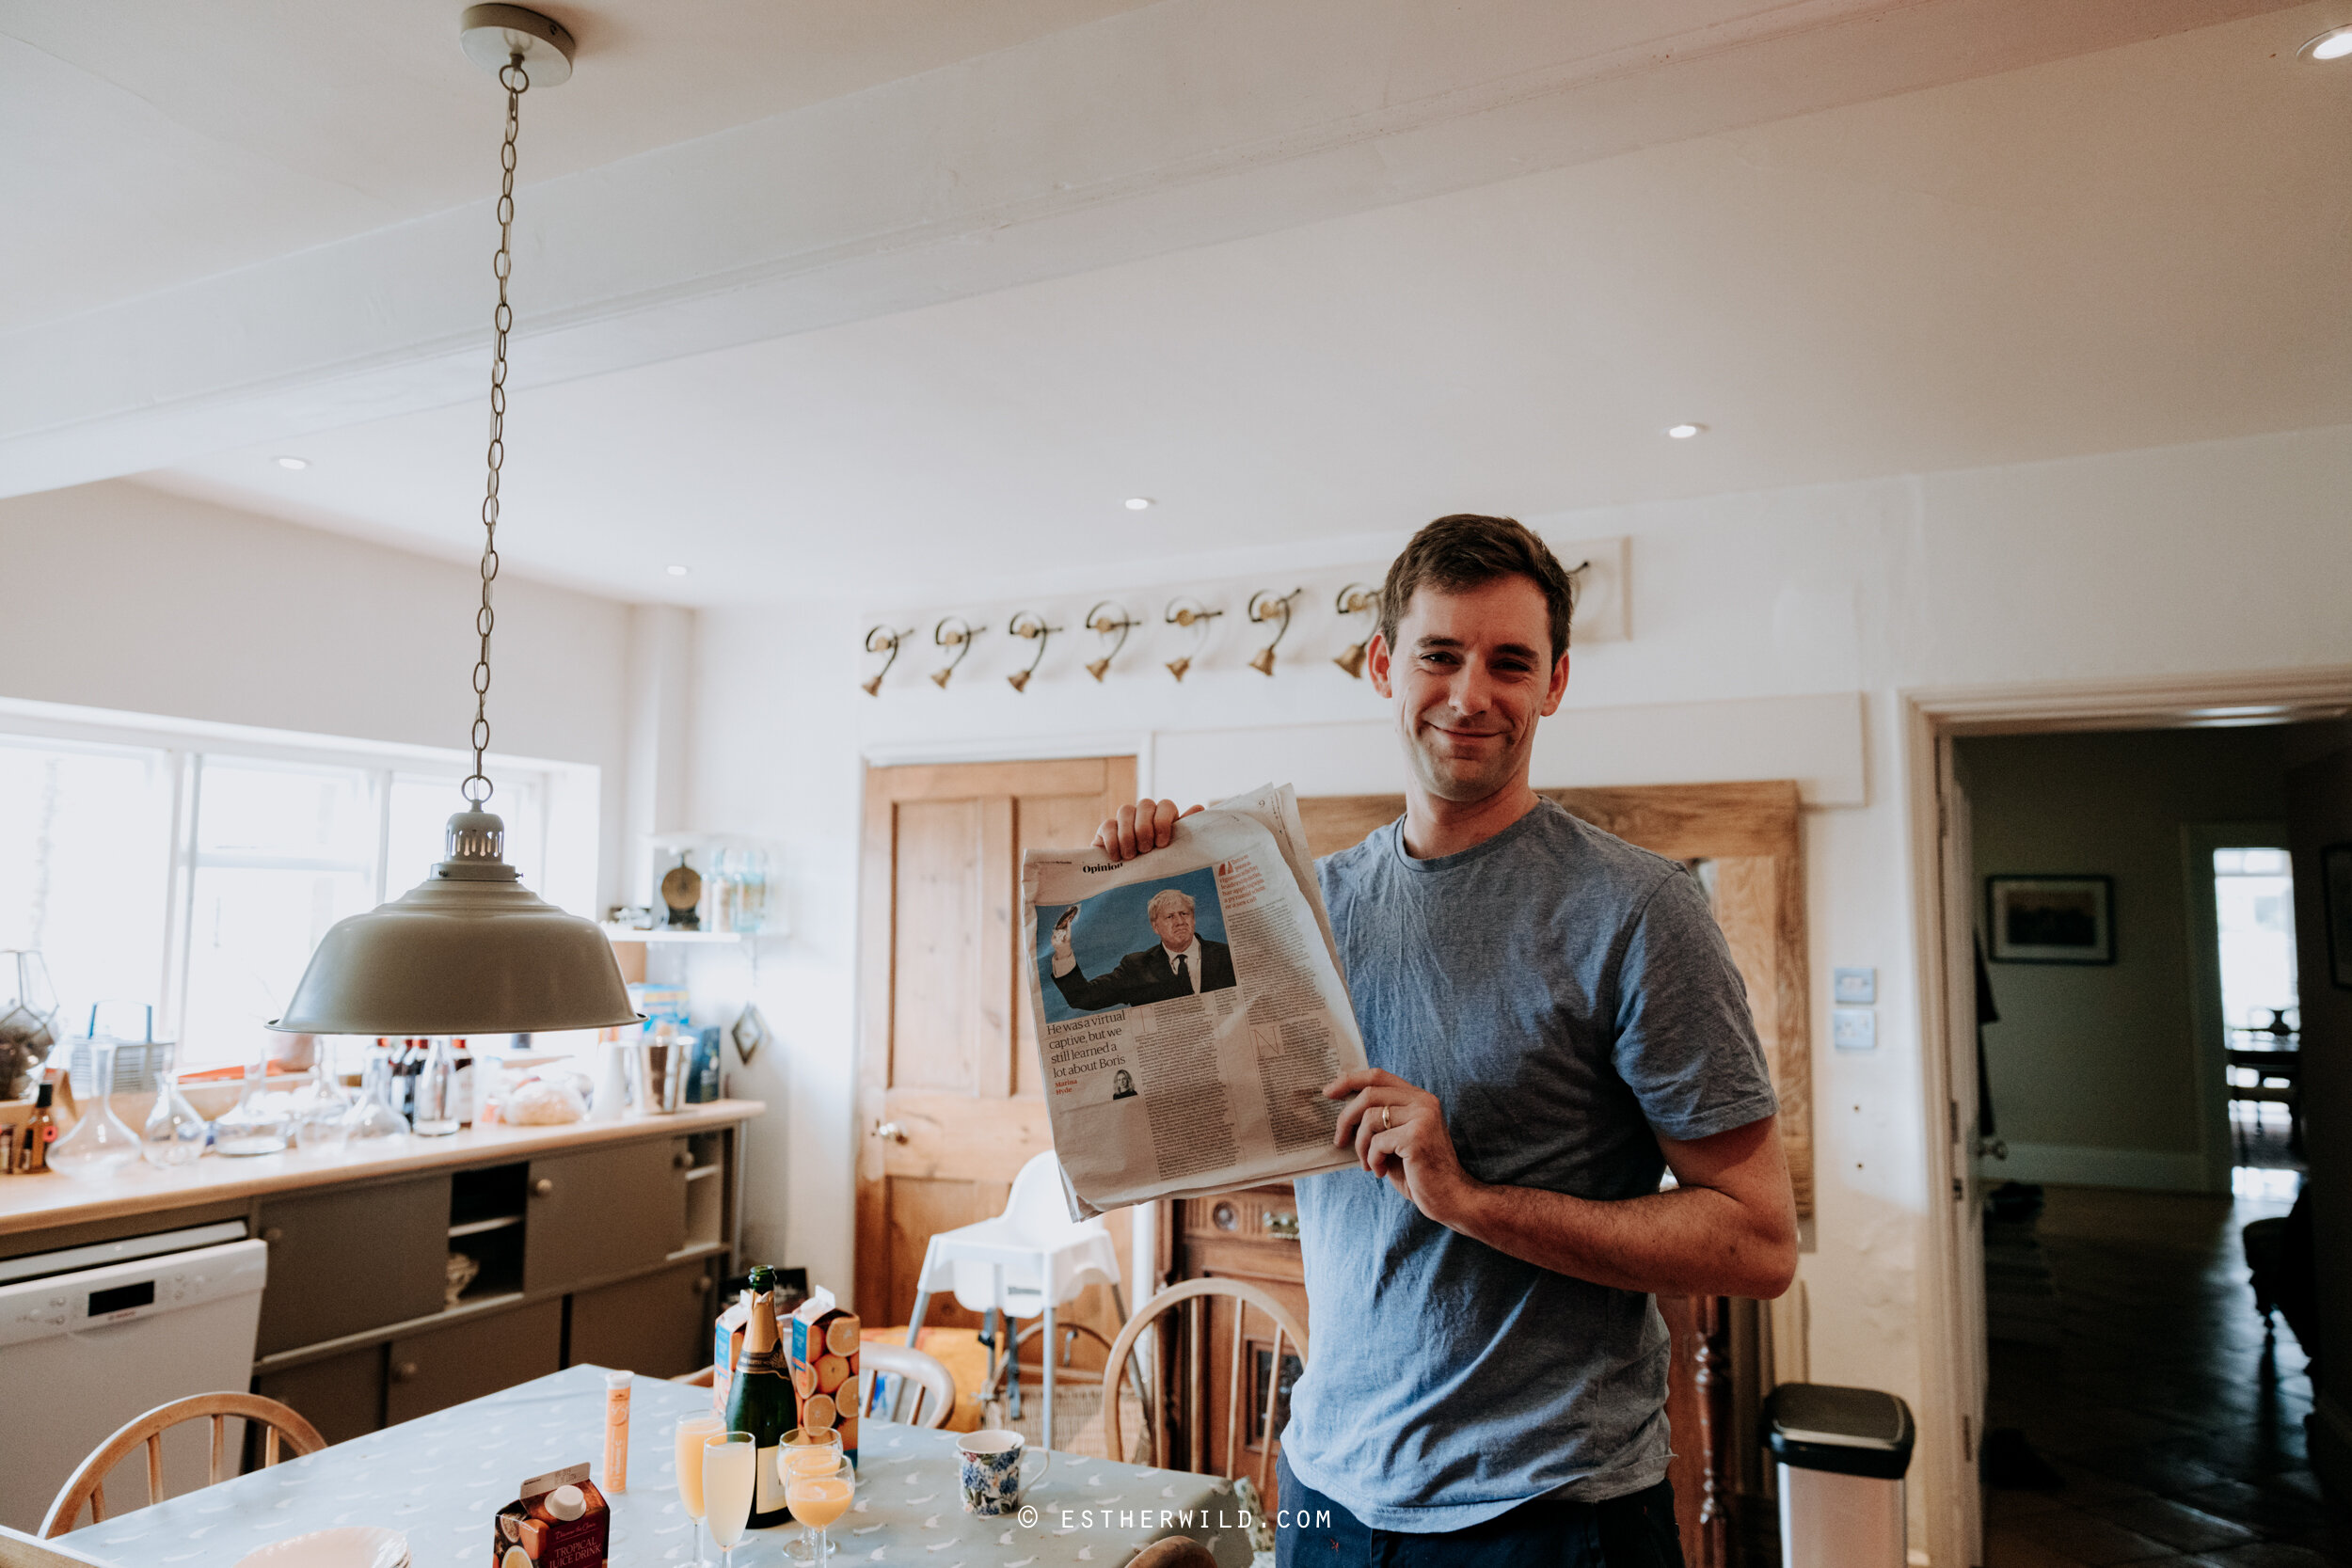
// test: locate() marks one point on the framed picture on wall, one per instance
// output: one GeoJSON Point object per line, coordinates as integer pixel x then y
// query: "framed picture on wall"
{"type": "Point", "coordinates": [2051, 920]}
{"type": "Point", "coordinates": [2335, 881]}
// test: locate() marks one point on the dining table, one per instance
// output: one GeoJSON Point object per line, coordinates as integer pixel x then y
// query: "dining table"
{"type": "Point", "coordinates": [441, 1479]}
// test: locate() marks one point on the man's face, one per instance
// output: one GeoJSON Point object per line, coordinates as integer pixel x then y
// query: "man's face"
{"type": "Point", "coordinates": [1174, 924]}
{"type": "Point", "coordinates": [1470, 675]}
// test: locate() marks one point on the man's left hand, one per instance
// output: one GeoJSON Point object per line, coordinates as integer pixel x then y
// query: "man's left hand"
{"type": "Point", "coordinates": [1399, 1133]}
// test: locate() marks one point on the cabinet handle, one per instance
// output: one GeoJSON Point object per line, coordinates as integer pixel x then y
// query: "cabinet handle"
{"type": "Point", "coordinates": [542, 1187]}
{"type": "Point", "coordinates": [699, 1286]}
{"type": "Point", "coordinates": [273, 1235]}
{"type": "Point", "coordinates": [403, 1372]}
{"type": "Point", "coordinates": [682, 1160]}
{"type": "Point", "coordinates": [891, 1131]}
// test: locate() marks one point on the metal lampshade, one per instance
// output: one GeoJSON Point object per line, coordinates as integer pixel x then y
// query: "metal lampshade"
{"type": "Point", "coordinates": [467, 951]}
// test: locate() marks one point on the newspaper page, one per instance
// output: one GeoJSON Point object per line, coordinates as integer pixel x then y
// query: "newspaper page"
{"type": "Point", "coordinates": [1189, 1008]}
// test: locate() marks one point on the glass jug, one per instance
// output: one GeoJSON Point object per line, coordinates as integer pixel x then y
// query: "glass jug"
{"type": "Point", "coordinates": [174, 1133]}
{"type": "Point", "coordinates": [98, 1142]}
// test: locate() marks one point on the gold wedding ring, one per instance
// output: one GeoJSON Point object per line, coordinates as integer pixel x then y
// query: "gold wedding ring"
{"type": "Point", "coordinates": [1384, 1118]}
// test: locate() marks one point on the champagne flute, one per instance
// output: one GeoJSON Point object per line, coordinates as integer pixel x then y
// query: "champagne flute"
{"type": "Point", "coordinates": [807, 1450]}
{"type": "Point", "coordinates": [692, 1433]}
{"type": "Point", "coordinates": [730, 1470]}
{"type": "Point", "coordinates": [818, 1496]}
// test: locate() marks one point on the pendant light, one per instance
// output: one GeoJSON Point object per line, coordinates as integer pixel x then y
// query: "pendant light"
{"type": "Point", "coordinates": [468, 951]}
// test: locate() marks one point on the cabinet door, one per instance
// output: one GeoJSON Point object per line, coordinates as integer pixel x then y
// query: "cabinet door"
{"type": "Point", "coordinates": [343, 1262]}
{"type": "Point", "coordinates": [658, 1326]}
{"type": "Point", "coordinates": [597, 1212]}
{"type": "Point", "coordinates": [342, 1395]}
{"type": "Point", "coordinates": [480, 1355]}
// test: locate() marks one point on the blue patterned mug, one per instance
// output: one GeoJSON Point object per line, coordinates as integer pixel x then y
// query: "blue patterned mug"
{"type": "Point", "coordinates": [992, 1482]}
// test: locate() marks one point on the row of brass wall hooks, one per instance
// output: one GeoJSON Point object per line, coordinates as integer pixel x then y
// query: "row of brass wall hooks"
{"type": "Point", "coordinates": [1111, 624]}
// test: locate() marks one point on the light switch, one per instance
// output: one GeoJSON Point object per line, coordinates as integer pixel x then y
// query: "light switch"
{"type": "Point", "coordinates": [1855, 987]}
{"type": "Point", "coordinates": [1854, 1029]}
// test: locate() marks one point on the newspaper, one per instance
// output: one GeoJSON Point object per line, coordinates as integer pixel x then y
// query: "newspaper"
{"type": "Point", "coordinates": [1189, 1008]}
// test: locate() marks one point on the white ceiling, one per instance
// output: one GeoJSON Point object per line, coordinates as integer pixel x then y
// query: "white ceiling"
{"type": "Point", "coordinates": [2135, 245]}
{"type": "Point", "coordinates": [176, 139]}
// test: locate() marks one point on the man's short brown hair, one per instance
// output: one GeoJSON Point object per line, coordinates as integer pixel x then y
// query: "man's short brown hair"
{"type": "Point", "coordinates": [1467, 550]}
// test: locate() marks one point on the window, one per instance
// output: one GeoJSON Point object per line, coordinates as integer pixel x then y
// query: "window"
{"type": "Point", "coordinates": [2253, 896]}
{"type": "Point", "coordinates": [197, 879]}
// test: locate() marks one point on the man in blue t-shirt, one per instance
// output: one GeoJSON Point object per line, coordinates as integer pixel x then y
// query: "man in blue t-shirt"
{"type": "Point", "coordinates": [1554, 1021]}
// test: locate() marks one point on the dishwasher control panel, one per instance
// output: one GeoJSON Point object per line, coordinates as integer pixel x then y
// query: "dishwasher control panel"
{"type": "Point", "coordinates": [100, 1298]}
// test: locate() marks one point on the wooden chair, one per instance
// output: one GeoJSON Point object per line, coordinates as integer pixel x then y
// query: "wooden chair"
{"type": "Point", "coordinates": [1245, 1296]}
{"type": "Point", "coordinates": [88, 1480]}
{"type": "Point", "coordinates": [1177, 1551]}
{"type": "Point", "coordinates": [926, 1395]}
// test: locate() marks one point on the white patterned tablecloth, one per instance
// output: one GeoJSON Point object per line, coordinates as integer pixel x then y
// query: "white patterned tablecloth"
{"type": "Point", "coordinates": [441, 1479]}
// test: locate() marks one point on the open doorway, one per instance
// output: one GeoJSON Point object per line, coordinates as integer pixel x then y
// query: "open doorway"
{"type": "Point", "coordinates": [2139, 1138]}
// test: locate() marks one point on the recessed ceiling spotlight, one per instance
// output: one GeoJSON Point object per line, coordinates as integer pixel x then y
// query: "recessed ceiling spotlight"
{"type": "Point", "coordinates": [677, 571]}
{"type": "Point", "coordinates": [1137, 503]}
{"type": "Point", "coordinates": [2333, 45]}
{"type": "Point", "coordinates": [294, 463]}
{"type": "Point", "coordinates": [1684, 432]}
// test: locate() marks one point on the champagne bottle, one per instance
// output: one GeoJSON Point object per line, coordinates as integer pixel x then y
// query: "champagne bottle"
{"type": "Point", "coordinates": [761, 1401]}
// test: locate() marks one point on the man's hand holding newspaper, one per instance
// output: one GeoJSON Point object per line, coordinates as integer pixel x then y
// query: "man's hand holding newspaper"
{"type": "Point", "coordinates": [1190, 1006]}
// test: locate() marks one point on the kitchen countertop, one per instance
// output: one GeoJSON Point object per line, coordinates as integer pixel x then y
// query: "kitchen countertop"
{"type": "Point", "coordinates": [45, 1201]}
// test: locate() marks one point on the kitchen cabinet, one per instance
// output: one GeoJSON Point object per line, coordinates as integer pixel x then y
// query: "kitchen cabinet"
{"type": "Point", "coordinates": [596, 1214]}
{"type": "Point", "coordinates": [658, 1326]}
{"type": "Point", "coordinates": [479, 1355]}
{"type": "Point", "coordinates": [340, 1395]}
{"type": "Point", "coordinates": [351, 1260]}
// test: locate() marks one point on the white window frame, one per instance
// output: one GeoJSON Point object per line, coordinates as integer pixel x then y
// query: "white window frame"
{"type": "Point", "coordinates": [568, 807]}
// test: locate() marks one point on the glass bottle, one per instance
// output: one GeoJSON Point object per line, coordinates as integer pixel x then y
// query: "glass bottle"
{"type": "Point", "coordinates": [254, 1126]}
{"type": "Point", "coordinates": [98, 1142]}
{"type": "Point", "coordinates": [436, 1092]}
{"type": "Point", "coordinates": [372, 1117]}
{"type": "Point", "coordinates": [174, 1133]}
{"type": "Point", "coordinates": [760, 1401]}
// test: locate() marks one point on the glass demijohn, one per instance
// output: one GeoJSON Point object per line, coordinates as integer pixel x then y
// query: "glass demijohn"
{"type": "Point", "coordinates": [259, 1123]}
{"type": "Point", "coordinates": [174, 1134]}
{"type": "Point", "coordinates": [373, 1117]}
{"type": "Point", "coordinates": [99, 1142]}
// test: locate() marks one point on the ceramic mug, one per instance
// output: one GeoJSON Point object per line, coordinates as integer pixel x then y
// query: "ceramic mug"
{"type": "Point", "coordinates": [991, 1471]}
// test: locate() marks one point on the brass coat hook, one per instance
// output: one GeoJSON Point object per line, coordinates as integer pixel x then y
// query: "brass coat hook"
{"type": "Point", "coordinates": [1030, 626]}
{"type": "Point", "coordinates": [1105, 619]}
{"type": "Point", "coordinates": [1265, 605]}
{"type": "Point", "coordinates": [953, 631]}
{"type": "Point", "coordinates": [1188, 613]}
{"type": "Point", "coordinates": [883, 639]}
{"type": "Point", "coordinates": [1356, 599]}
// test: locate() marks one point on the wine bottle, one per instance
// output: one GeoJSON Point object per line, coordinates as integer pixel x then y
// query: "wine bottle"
{"type": "Point", "coordinates": [761, 1401]}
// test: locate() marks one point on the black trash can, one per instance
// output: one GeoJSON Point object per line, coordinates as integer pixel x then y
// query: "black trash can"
{"type": "Point", "coordinates": [1841, 1454]}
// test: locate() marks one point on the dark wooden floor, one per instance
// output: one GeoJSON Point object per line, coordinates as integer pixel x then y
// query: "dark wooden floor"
{"type": "Point", "coordinates": [2179, 1436]}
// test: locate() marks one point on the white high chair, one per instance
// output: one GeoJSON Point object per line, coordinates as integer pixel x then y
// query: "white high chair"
{"type": "Point", "coordinates": [1025, 1262]}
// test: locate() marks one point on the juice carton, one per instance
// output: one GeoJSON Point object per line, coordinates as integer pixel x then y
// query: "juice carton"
{"type": "Point", "coordinates": [726, 1348]}
{"type": "Point", "coordinates": [824, 1354]}
{"type": "Point", "coordinates": [560, 1521]}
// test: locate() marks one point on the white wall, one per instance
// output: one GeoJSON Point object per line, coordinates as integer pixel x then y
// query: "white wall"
{"type": "Point", "coordinates": [2215, 557]}
{"type": "Point", "coordinates": [125, 597]}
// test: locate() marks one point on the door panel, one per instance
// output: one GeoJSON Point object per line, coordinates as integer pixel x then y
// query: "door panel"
{"type": "Point", "coordinates": [948, 1053]}
{"type": "Point", "coordinates": [343, 1262]}
{"type": "Point", "coordinates": [656, 1326]}
{"type": "Point", "coordinates": [596, 1212]}
{"type": "Point", "coordinates": [342, 1395]}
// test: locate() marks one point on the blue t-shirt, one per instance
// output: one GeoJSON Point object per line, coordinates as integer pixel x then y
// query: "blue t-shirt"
{"type": "Point", "coordinates": [1563, 994]}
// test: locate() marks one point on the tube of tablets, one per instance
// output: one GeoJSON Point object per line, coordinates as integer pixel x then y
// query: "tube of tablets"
{"type": "Point", "coordinates": [616, 1432]}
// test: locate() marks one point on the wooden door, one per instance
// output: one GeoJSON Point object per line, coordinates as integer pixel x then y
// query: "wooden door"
{"type": "Point", "coordinates": [948, 1102]}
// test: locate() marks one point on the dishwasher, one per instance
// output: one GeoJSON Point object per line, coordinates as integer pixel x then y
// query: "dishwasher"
{"type": "Point", "coordinates": [93, 1336]}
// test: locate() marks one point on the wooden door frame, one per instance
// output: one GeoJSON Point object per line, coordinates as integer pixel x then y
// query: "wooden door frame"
{"type": "Point", "coordinates": [1929, 719]}
{"type": "Point", "coordinates": [1145, 1239]}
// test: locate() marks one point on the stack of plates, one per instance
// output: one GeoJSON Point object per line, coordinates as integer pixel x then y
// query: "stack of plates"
{"type": "Point", "coordinates": [352, 1546]}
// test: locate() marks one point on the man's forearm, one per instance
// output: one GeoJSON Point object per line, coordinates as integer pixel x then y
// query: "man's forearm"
{"type": "Point", "coordinates": [1692, 1241]}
